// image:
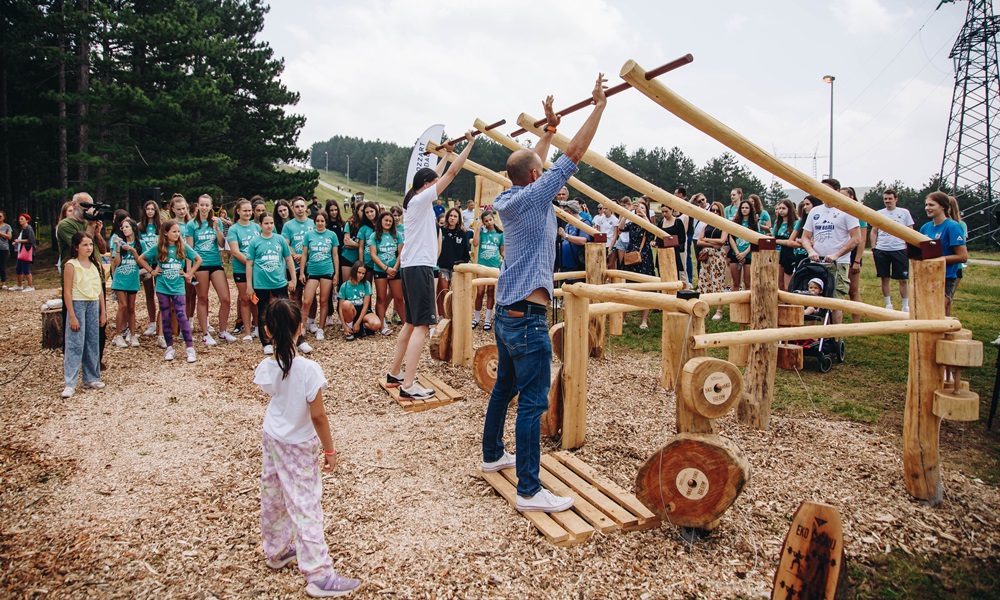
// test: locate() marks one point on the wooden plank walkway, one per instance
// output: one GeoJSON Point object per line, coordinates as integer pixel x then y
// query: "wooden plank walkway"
{"type": "Point", "coordinates": [598, 503]}
{"type": "Point", "coordinates": [445, 394]}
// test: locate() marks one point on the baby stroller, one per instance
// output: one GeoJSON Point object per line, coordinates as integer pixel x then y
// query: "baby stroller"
{"type": "Point", "coordinates": [826, 350]}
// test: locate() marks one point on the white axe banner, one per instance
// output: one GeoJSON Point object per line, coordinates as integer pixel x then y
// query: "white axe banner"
{"type": "Point", "coordinates": [419, 160]}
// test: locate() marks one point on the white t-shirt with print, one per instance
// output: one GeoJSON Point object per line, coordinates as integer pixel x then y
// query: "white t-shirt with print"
{"type": "Point", "coordinates": [831, 229]}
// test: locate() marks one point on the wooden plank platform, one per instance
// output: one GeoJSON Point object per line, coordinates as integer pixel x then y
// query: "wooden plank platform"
{"type": "Point", "coordinates": [598, 503]}
{"type": "Point", "coordinates": [444, 394]}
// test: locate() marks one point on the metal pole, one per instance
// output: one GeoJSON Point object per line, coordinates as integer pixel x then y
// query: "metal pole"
{"type": "Point", "coordinates": [830, 79]}
{"type": "Point", "coordinates": [327, 154]}
{"type": "Point", "coordinates": [348, 168]}
{"type": "Point", "coordinates": [376, 177]}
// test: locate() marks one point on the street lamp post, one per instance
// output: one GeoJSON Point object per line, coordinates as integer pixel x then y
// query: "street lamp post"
{"type": "Point", "coordinates": [376, 177]}
{"type": "Point", "coordinates": [327, 154]}
{"type": "Point", "coordinates": [829, 79]}
{"type": "Point", "coordinates": [348, 169]}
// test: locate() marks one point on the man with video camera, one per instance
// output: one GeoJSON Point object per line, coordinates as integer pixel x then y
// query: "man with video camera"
{"type": "Point", "coordinates": [84, 215]}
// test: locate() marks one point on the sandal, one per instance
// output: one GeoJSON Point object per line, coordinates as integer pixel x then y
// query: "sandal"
{"type": "Point", "coordinates": [487, 326]}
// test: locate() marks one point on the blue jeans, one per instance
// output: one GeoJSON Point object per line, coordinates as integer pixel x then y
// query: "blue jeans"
{"type": "Point", "coordinates": [689, 262]}
{"type": "Point", "coordinates": [524, 353]}
{"type": "Point", "coordinates": [83, 345]}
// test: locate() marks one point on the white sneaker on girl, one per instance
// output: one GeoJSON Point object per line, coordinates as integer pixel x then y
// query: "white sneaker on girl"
{"type": "Point", "coordinates": [170, 353]}
{"type": "Point", "coordinates": [151, 330]}
{"type": "Point", "coordinates": [135, 341]}
{"type": "Point", "coordinates": [191, 355]}
{"type": "Point", "coordinates": [118, 341]}
{"type": "Point", "coordinates": [226, 336]}
{"type": "Point", "coordinates": [209, 340]}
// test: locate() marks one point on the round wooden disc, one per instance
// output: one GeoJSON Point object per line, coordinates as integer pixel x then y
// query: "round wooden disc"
{"type": "Point", "coordinates": [484, 367]}
{"type": "Point", "coordinates": [552, 418]}
{"type": "Point", "coordinates": [441, 340]}
{"type": "Point", "coordinates": [693, 479]}
{"type": "Point", "coordinates": [711, 386]}
{"type": "Point", "coordinates": [447, 304]}
{"type": "Point", "coordinates": [556, 335]}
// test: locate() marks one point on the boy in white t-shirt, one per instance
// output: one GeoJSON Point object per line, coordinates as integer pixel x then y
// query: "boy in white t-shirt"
{"type": "Point", "coordinates": [889, 251]}
{"type": "Point", "coordinates": [829, 235]}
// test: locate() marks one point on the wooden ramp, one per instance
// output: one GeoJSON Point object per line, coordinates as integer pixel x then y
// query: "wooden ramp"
{"type": "Point", "coordinates": [598, 503]}
{"type": "Point", "coordinates": [444, 394]}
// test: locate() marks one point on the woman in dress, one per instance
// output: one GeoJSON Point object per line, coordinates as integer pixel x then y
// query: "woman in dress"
{"type": "Point", "coordinates": [712, 247]}
{"type": "Point", "coordinates": [641, 241]}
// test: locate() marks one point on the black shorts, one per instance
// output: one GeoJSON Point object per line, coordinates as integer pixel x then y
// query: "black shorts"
{"type": "Point", "coordinates": [787, 259]}
{"type": "Point", "coordinates": [891, 263]}
{"type": "Point", "coordinates": [209, 270]}
{"type": "Point", "coordinates": [328, 277]}
{"type": "Point", "coordinates": [418, 295]}
{"type": "Point", "coordinates": [380, 275]}
{"type": "Point", "coordinates": [949, 286]}
{"type": "Point", "coordinates": [733, 259]}
{"type": "Point", "coordinates": [240, 277]}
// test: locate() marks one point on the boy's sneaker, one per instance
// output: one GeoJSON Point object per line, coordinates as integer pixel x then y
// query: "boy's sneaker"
{"type": "Point", "coordinates": [305, 348]}
{"type": "Point", "coordinates": [228, 337]}
{"type": "Point", "coordinates": [505, 461]}
{"type": "Point", "coordinates": [135, 341]}
{"type": "Point", "coordinates": [118, 341]}
{"type": "Point", "coordinates": [281, 561]}
{"type": "Point", "coordinates": [170, 353]}
{"type": "Point", "coordinates": [393, 380]}
{"type": "Point", "coordinates": [93, 385]}
{"type": "Point", "coordinates": [209, 340]}
{"type": "Point", "coordinates": [544, 501]}
{"type": "Point", "coordinates": [320, 336]}
{"type": "Point", "coordinates": [333, 586]}
{"type": "Point", "coordinates": [415, 392]}
{"type": "Point", "coordinates": [67, 392]}
{"type": "Point", "coordinates": [268, 350]}
{"type": "Point", "coordinates": [28, 289]}
{"type": "Point", "coordinates": [151, 330]}
{"type": "Point", "coordinates": [191, 355]}
{"type": "Point", "coordinates": [161, 341]}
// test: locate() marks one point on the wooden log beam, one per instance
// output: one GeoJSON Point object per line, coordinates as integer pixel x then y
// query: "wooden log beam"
{"type": "Point", "coordinates": [649, 286]}
{"type": "Point", "coordinates": [575, 353]}
{"type": "Point", "coordinates": [617, 319]}
{"type": "Point", "coordinates": [563, 276]}
{"type": "Point", "coordinates": [762, 363]}
{"type": "Point", "coordinates": [648, 300]}
{"type": "Point", "coordinates": [463, 296]}
{"type": "Point", "coordinates": [612, 308]}
{"type": "Point", "coordinates": [639, 184]}
{"type": "Point", "coordinates": [856, 308]}
{"type": "Point", "coordinates": [478, 270]}
{"type": "Point", "coordinates": [630, 276]}
{"type": "Point", "coordinates": [577, 222]}
{"type": "Point", "coordinates": [582, 187]}
{"type": "Point", "coordinates": [597, 264]}
{"type": "Point", "coordinates": [692, 115]}
{"type": "Point", "coordinates": [784, 334]}
{"type": "Point", "coordinates": [481, 281]}
{"type": "Point", "coordinates": [726, 298]}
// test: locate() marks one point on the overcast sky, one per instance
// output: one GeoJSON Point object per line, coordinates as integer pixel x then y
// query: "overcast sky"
{"type": "Point", "coordinates": [389, 68]}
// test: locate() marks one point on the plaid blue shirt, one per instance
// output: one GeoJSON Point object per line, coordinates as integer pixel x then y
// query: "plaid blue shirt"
{"type": "Point", "coordinates": [529, 223]}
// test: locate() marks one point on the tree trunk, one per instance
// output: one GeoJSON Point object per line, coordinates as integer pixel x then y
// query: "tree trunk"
{"type": "Point", "coordinates": [83, 87]}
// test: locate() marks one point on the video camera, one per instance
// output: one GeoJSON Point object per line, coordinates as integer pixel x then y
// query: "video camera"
{"type": "Point", "coordinates": [103, 212]}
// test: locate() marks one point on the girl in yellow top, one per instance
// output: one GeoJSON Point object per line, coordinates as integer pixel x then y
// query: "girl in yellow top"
{"type": "Point", "coordinates": [85, 315]}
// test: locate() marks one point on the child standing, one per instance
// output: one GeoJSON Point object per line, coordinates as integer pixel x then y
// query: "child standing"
{"type": "Point", "coordinates": [85, 315]}
{"type": "Point", "coordinates": [295, 430]}
{"type": "Point", "coordinates": [125, 281]}
{"type": "Point", "coordinates": [267, 256]}
{"type": "Point", "coordinates": [169, 255]}
{"type": "Point", "coordinates": [489, 239]}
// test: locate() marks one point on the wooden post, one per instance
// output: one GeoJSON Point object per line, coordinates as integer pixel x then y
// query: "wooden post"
{"type": "Point", "coordinates": [762, 361]}
{"type": "Point", "coordinates": [575, 353]}
{"type": "Point", "coordinates": [616, 320]}
{"type": "Point", "coordinates": [671, 342]}
{"type": "Point", "coordinates": [597, 264]}
{"type": "Point", "coordinates": [921, 461]}
{"type": "Point", "coordinates": [689, 421]}
{"type": "Point", "coordinates": [461, 322]}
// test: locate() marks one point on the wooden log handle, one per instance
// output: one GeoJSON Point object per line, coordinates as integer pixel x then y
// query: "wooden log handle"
{"type": "Point", "coordinates": [670, 66]}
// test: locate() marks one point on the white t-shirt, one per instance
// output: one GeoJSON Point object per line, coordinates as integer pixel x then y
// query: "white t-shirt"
{"type": "Point", "coordinates": [287, 418]}
{"type": "Point", "coordinates": [468, 217]}
{"type": "Point", "coordinates": [831, 229]}
{"type": "Point", "coordinates": [699, 230]}
{"type": "Point", "coordinates": [606, 225]}
{"type": "Point", "coordinates": [421, 247]}
{"type": "Point", "coordinates": [887, 241]}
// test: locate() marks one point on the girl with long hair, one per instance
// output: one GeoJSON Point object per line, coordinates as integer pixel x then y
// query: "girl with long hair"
{"type": "Point", "coordinates": [241, 234]}
{"type": "Point", "coordinates": [335, 223]}
{"type": "Point", "coordinates": [949, 234]}
{"type": "Point", "coordinates": [712, 245]}
{"type": "Point", "coordinates": [455, 249]}
{"type": "Point", "coordinates": [739, 249]}
{"type": "Point", "coordinates": [180, 212]}
{"type": "Point", "coordinates": [355, 305]}
{"type": "Point", "coordinates": [85, 315]}
{"type": "Point", "coordinates": [784, 226]}
{"type": "Point", "coordinates": [125, 246]}
{"type": "Point", "coordinates": [25, 246]}
{"type": "Point", "coordinates": [170, 254]}
{"type": "Point", "coordinates": [352, 242]}
{"type": "Point", "coordinates": [149, 232]}
{"type": "Point", "coordinates": [384, 247]}
{"type": "Point", "coordinates": [282, 214]}
{"type": "Point", "coordinates": [641, 241]}
{"type": "Point", "coordinates": [763, 218]}
{"type": "Point", "coordinates": [269, 259]}
{"type": "Point", "coordinates": [488, 238]}
{"type": "Point", "coordinates": [318, 268]}
{"type": "Point", "coordinates": [369, 216]}
{"type": "Point", "coordinates": [956, 215]}
{"type": "Point", "coordinates": [204, 234]}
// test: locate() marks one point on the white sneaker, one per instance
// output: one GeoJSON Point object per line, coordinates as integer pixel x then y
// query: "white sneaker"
{"type": "Point", "coordinates": [208, 339]}
{"type": "Point", "coordinates": [170, 353]}
{"type": "Point", "coordinates": [191, 355]}
{"type": "Point", "coordinates": [889, 307]}
{"type": "Point", "coordinates": [151, 330]}
{"type": "Point", "coordinates": [305, 348]}
{"type": "Point", "coordinates": [94, 385]}
{"type": "Point", "coordinates": [248, 338]}
{"type": "Point", "coordinates": [255, 334]}
{"type": "Point", "coordinates": [28, 289]}
{"type": "Point", "coordinates": [135, 341]}
{"type": "Point", "coordinates": [210, 328]}
{"type": "Point", "coordinates": [320, 336]}
{"type": "Point", "coordinates": [161, 341]}
{"type": "Point", "coordinates": [227, 337]}
{"type": "Point", "coordinates": [386, 330]}
{"type": "Point", "coordinates": [329, 321]}
{"type": "Point", "coordinates": [996, 342]}
{"type": "Point", "coordinates": [544, 501]}
{"type": "Point", "coordinates": [67, 392]}
{"type": "Point", "coordinates": [505, 461]}
{"type": "Point", "coordinates": [118, 341]}
{"type": "Point", "coordinates": [905, 309]}
{"type": "Point", "coordinates": [268, 350]}
{"type": "Point", "coordinates": [717, 317]}
{"type": "Point", "coordinates": [17, 288]}
{"type": "Point", "coordinates": [312, 326]}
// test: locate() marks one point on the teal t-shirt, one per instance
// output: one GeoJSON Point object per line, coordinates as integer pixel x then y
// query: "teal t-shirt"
{"type": "Point", "coordinates": [355, 292]}
{"type": "Point", "coordinates": [268, 256]}
{"type": "Point", "coordinates": [742, 245]}
{"type": "Point", "coordinates": [730, 211]}
{"type": "Point", "coordinates": [171, 280]}
{"type": "Point", "coordinates": [242, 235]}
{"type": "Point", "coordinates": [364, 233]}
{"type": "Point", "coordinates": [350, 254]}
{"type": "Point", "coordinates": [295, 232]}
{"type": "Point", "coordinates": [782, 232]}
{"type": "Point", "coordinates": [795, 227]}
{"type": "Point", "coordinates": [387, 249]}
{"type": "Point", "coordinates": [490, 243]}
{"type": "Point", "coordinates": [763, 217]}
{"type": "Point", "coordinates": [205, 243]}
{"type": "Point", "coordinates": [150, 237]}
{"type": "Point", "coordinates": [399, 231]}
{"type": "Point", "coordinates": [126, 276]}
{"type": "Point", "coordinates": [320, 247]}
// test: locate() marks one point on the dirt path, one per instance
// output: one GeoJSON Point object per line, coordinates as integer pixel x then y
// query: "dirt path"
{"type": "Point", "coordinates": [149, 488]}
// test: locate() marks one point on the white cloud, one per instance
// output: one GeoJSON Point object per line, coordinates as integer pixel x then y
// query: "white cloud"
{"type": "Point", "coordinates": [863, 17]}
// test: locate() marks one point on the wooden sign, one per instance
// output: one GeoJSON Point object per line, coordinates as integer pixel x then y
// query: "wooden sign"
{"type": "Point", "coordinates": [812, 555]}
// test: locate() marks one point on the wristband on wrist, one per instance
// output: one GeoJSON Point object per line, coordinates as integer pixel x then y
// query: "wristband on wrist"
{"type": "Point", "coordinates": [550, 128]}
{"type": "Point", "coordinates": [330, 453]}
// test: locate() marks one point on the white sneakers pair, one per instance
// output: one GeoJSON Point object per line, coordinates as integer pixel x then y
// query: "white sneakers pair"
{"type": "Point", "coordinates": [90, 385]}
{"type": "Point", "coordinates": [191, 355]}
{"type": "Point", "coordinates": [543, 501]}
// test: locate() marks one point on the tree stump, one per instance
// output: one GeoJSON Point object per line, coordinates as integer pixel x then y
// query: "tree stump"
{"type": "Point", "coordinates": [812, 555]}
{"type": "Point", "coordinates": [484, 367]}
{"type": "Point", "coordinates": [441, 340]}
{"type": "Point", "coordinates": [52, 329]}
{"type": "Point", "coordinates": [693, 479]}
{"type": "Point", "coordinates": [595, 333]}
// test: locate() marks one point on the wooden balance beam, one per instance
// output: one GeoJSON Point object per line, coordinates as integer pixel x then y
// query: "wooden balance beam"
{"type": "Point", "coordinates": [856, 308]}
{"type": "Point", "coordinates": [647, 300]}
{"type": "Point", "coordinates": [784, 334]}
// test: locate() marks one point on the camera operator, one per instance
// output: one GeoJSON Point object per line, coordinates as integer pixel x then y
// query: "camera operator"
{"type": "Point", "coordinates": [78, 219]}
